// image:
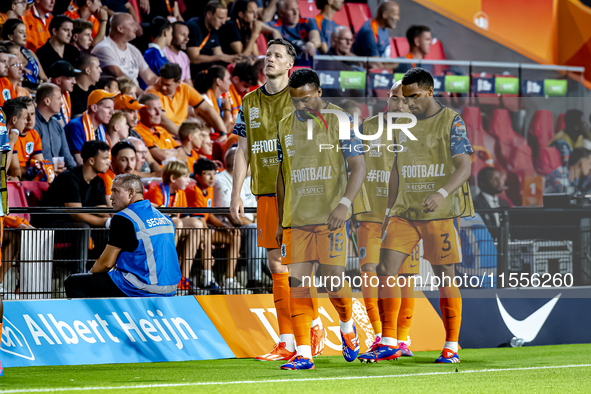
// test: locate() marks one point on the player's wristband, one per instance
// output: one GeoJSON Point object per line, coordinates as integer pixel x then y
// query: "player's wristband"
{"type": "Point", "coordinates": [443, 192]}
{"type": "Point", "coordinates": [346, 202]}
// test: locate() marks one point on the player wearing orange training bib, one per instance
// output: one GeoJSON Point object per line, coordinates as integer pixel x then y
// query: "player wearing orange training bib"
{"type": "Point", "coordinates": [314, 199]}
{"type": "Point", "coordinates": [256, 127]}
{"type": "Point", "coordinates": [428, 193]}
{"type": "Point", "coordinates": [378, 161]}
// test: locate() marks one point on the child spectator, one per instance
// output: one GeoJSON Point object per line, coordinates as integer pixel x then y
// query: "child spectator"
{"type": "Point", "coordinates": [117, 129]}
{"type": "Point", "coordinates": [161, 31]}
{"type": "Point", "coordinates": [128, 87]}
{"type": "Point", "coordinates": [108, 83]}
{"type": "Point", "coordinates": [28, 147]}
{"type": "Point", "coordinates": [130, 107]}
{"type": "Point", "coordinates": [190, 135]}
{"type": "Point", "coordinates": [82, 34]}
{"type": "Point", "coordinates": [201, 195]}
{"type": "Point", "coordinates": [171, 193]}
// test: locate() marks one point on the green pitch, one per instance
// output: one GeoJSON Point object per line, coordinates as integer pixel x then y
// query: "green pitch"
{"type": "Point", "coordinates": [556, 369]}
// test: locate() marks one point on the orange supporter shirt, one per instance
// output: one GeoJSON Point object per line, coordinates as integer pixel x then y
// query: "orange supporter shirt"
{"type": "Point", "coordinates": [158, 137]}
{"type": "Point", "coordinates": [27, 146]}
{"type": "Point", "coordinates": [7, 91]}
{"type": "Point", "coordinates": [37, 28]}
{"type": "Point", "coordinates": [192, 159]}
{"type": "Point", "coordinates": [107, 178]}
{"type": "Point", "coordinates": [73, 13]}
{"type": "Point", "coordinates": [157, 192]}
{"type": "Point", "coordinates": [177, 107]}
{"type": "Point", "coordinates": [197, 198]}
{"type": "Point", "coordinates": [236, 101]}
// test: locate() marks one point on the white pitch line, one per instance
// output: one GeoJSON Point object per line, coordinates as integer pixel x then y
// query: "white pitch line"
{"type": "Point", "coordinates": [148, 386]}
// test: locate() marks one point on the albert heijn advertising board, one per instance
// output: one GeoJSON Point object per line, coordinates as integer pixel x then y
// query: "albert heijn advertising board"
{"type": "Point", "coordinates": [105, 331]}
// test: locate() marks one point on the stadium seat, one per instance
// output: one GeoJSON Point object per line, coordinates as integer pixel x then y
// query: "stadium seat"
{"type": "Point", "coordinates": [540, 130]}
{"type": "Point", "coordinates": [359, 13]}
{"type": "Point", "coordinates": [34, 190]}
{"type": "Point", "coordinates": [476, 133]}
{"type": "Point", "coordinates": [547, 161]}
{"type": "Point", "coordinates": [559, 123]}
{"type": "Point", "coordinates": [342, 18]}
{"type": "Point", "coordinates": [436, 51]}
{"type": "Point", "coordinates": [17, 198]}
{"type": "Point", "coordinates": [308, 9]}
{"type": "Point", "coordinates": [501, 128]}
{"type": "Point", "coordinates": [394, 48]}
{"type": "Point", "coordinates": [296, 68]}
{"type": "Point", "coordinates": [262, 45]}
{"type": "Point", "coordinates": [402, 46]}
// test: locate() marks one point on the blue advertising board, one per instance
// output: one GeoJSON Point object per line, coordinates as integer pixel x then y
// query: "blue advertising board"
{"type": "Point", "coordinates": [108, 331]}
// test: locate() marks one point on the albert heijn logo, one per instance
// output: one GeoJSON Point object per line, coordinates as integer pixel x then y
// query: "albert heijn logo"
{"type": "Point", "coordinates": [14, 342]}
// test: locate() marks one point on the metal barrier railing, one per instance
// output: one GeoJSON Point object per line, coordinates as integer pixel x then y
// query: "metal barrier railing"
{"type": "Point", "coordinates": [554, 244]}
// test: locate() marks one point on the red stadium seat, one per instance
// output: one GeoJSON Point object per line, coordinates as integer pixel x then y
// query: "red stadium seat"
{"type": "Point", "coordinates": [559, 123]}
{"type": "Point", "coordinates": [402, 46]}
{"type": "Point", "coordinates": [359, 13]}
{"type": "Point", "coordinates": [540, 131]}
{"type": "Point", "coordinates": [507, 139]}
{"type": "Point", "coordinates": [296, 68]}
{"type": "Point", "coordinates": [476, 133]}
{"type": "Point", "coordinates": [364, 111]}
{"type": "Point", "coordinates": [262, 45]}
{"type": "Point", "coordinates": [393, 48]}
{"type": "Point", "coordinates": [34, 190]}
{"type": "Point", "coordinates": [308, 8]}
{"type": "Point", "coordinates": [548, 160]}
{"type": "Point", "coordinates": [436, 51]}
{"type": "Point", "coordinates": [342, 18]}
{"type": "Point", "coordinates": [17, 198]}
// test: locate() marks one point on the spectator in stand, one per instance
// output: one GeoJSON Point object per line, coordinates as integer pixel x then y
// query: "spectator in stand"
{"type": "Point", "coordinates": [90, 74]}
{"type": "Point", "coordinates": [64, 75]}
{"type": "Point", "coordinates": [108, 83]}
{"type": "Point", "coordinates": [53, 136]}
{"type": "Point", "coordinates": [127, 268]}
{"type": "Point", "coordinates": [118, 57]}
{"type": "Point", "coordinates": [206, 149]}
{"type": "Point", "coordinates": [244, 78]}
{"type": "Point", "coordinates": [175, 52]}
{"type": "Point", "coordinates": [341, 43]}
{"type": "Point", "coordinates": [575, 135]}
{"type": "Point", "coordinates": [117, 129]}
{"type": "Point", "coordinates": [123, 6]}
{"type": "Point", "coordinates": [214, 84]}
{"type": "Point", "coordinates": [302, 33]}
{"type": "Point", "coordinates": [326, 26]}
{"type": "Point", "coordinates": [222, 192]}
{"type": "Point", "coordinates": [177, 99]}
{"type": "Point", "coordinates": [15, 30]}
{"type": "Point", "coordinates": [28, 147]}
{"type": "Point", "coordinates": [168, 9]}
{"type": "Point", "coordinates": [145, 165]}
{"type": "Point", "coordinates": [204, 44]}
{"type": "Point", "coordinates": [16, 70]}
{"type": "Point", "coordinates": [239, 34]}
{"type": "Point", "coordinates": [91, 125]}
{"type": "Point", "coordinates": [82, 34]}
{"type": "Point", "coordinates": [171, 193]}
{"type": "Point", "coordinates": [128, 87]}
{"type": "Point", "coordinates": [490, 184]}
{"type": "Point", "coordinates": [94, 12]}
{"type": "Point", "coordinates": [190, 136]}
{"type": "Point", "coordinates": [574, 178]}
{"type": "Point", "coordinates": [6, 87]}
{"type": "Point", "coordinates": [259, 64]}
{"type": "Point", "coordinates": [129, 106]}
{"type": "Point", "coordinates": [201, 195]}
{"type": "Point", "coordinates": [419, 42]}
{"type": "Point", "coordinates": [122, 162]}
{"type": "Point", "coordinates": [373, 38]}
{"type": "Point", "coordinates": [12, 9]}
{"type": "Point", "coordinates": [267, 9]}
{"type": "Point", "coordinates": [58, 47]}
{"type": "Point", "coordinates": [79, 187]}
{"type": "Point", "coordinates": [157, 139]}
{"type": "Point", "coordinates": [37, 20]}
{"type": "Point", "coordinates": [162, 34]}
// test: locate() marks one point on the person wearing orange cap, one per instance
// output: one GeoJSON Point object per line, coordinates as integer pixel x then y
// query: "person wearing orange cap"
{"type": "Point", "coordinates": [37, 20]}
{"type": "Point", "coordinates": [129, 106]}
{"type": "Point", "coordinates": [157, 139]}
{"type": "Point", "coordinates": [90, 126]}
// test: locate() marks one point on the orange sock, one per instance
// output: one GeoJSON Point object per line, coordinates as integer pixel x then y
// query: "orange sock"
{"type": "Point", "coordinates": [407, 306]}
{"type": "Point", "coordinates": [370, 297]}
{"type": "Point", "coordinates": [342, 302]}
{"type": "Point", "coordinates": [450, 302]}
{"type": "Point", "coordinates": [390, 301]}
{"type": "Point", "coordinates": [314, 298]}
{"type": "Point", "coordinates": [281, 296]}
{"type": "Point", "coordinates": [301, 314]}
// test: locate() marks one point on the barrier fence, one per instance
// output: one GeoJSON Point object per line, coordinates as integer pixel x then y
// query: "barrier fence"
{"type": "Point", "coordinates": [529, 248]}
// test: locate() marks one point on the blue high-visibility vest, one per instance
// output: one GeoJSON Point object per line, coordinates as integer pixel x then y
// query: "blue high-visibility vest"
{"type": "Point", "coordinates": [153, 268]}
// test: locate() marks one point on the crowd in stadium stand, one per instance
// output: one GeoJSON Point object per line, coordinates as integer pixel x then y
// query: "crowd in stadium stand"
{"type": "Point", "coordinates": [104, 94]}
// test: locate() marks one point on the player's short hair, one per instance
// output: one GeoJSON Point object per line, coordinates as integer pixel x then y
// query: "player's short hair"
{"type": "Point", "coordinates": [572, 118]}
{"type": "Point", "coordinates": [212, 7]}
{"type": "Point", "coordinates": [417, 75]}
{"type": "Point", "coordinates": [46, 90]}
{"type": "Point", "coordinates": [80, 25]}
{"type": "Point", "coordinates": [119, 146]}
{"type": "Point", "coordinates": [58, 21]}
{"type": "Point", "coordinates": [288, 47]}
{"type": "Point", "coordinates": [129, 181]}
{"type": "Point", "coordinates": [105, 81]}
{"type": "Point", "coordinates": [117, 117]}
{"type": "Point", "coordinates": [302, 77]}
{"type": "Point", "coordinates": [415, 31]}
{"type": "Point", "coordinates": [84, 61]}
{"type": "Point", "coordinates": [171, 71]}
{"type": "Point", "coordinates": [576, 155]}
{"type": "Point", "coordinates": [204, 80]}
{"type": "Point", "coordinates": [203, 165]}
{"type": "Point", "coordinates": [484, 174]}
{"type": "Point", "coordinates": [158, 26]}
{"type": "Point", "coordinates": [246, 72]}
{"type": "Point", "coordinates": [147, 97]}
{"type": "Point", "coordinates": [92, 148]}
{"type": "Point", "coordinates": [187, 128]}
{"type": "Point", "coordinates": [12, 108]}
{"type": "Point", "coordinates": [174, 168]}
{"type": "Point", "coordinates": [10, 26]}
{"type": "Point", "coordinates": [126, 84]}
